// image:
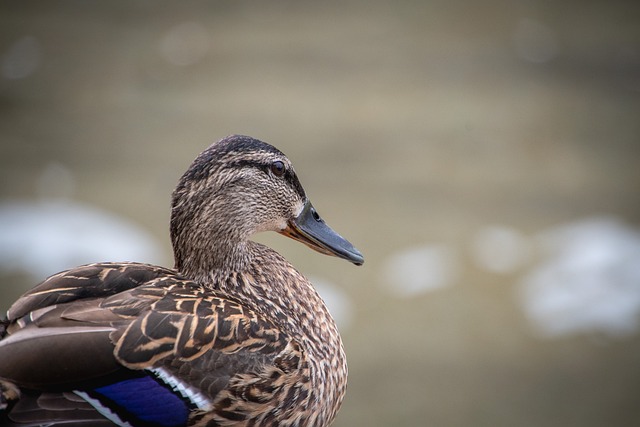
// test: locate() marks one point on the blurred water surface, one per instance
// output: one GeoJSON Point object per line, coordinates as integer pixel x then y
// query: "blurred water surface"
{"type": "Point", "coordinates": [482, 155]}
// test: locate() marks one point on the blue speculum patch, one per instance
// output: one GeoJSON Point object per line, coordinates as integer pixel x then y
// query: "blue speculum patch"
{"type": "Point", "coordinates": [145, 399]}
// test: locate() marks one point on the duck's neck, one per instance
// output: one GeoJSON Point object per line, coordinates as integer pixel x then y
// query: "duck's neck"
{"type": "Point", "coordinates": [204, 235]}
{"type": "Point", "coordinates": [198, 251]}
{"type": "Point", "coordinates": [199, 263]}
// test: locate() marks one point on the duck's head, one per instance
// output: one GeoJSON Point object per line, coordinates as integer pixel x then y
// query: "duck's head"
{"type": "Point", "coordinates": [237, 187]}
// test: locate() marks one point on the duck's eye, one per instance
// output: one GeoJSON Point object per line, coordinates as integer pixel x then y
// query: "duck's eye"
{"type": "Point", "coordinates": [277, 168]}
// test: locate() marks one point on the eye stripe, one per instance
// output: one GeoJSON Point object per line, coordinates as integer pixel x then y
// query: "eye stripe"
{"type": "Point", "coordinates": [288, 175]}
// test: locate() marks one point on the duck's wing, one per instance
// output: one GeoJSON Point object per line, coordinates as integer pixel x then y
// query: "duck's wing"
{"type": "Point", "coordinates": [43, 346]}
{"type": "Point", "coordinates": [88, 281]}
{"type": "Point", "coordinates": [149, 343]}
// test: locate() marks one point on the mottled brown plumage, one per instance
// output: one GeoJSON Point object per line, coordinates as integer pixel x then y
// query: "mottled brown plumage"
{"type": "Point", "coordinates": [235, 331]}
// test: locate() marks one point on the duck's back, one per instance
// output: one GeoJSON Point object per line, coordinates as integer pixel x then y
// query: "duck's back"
{"type": "Point", "coordinates": [143, 345]}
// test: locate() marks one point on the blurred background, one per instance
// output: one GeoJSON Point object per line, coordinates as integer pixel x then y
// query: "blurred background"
{"type": "Point", "coordinates": [484, 156]}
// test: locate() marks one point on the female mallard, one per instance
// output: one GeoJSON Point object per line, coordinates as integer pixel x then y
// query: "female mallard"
{"type": "Point", "coordinates": [234, 335]}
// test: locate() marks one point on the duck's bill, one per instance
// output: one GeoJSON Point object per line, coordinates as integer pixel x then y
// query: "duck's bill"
{"type": "Point", "coordinates": [311, 230]}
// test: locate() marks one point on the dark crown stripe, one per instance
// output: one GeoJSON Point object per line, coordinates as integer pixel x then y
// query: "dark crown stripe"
{"type": "Point", "coordinates": [228, 148]}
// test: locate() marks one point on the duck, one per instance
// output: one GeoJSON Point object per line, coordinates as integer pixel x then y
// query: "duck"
{"type": "Point", "coordinates": [232, 335]}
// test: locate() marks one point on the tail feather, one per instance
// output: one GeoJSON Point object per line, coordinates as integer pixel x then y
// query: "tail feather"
{"type": "Point", "coordinates": [47, 408]}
